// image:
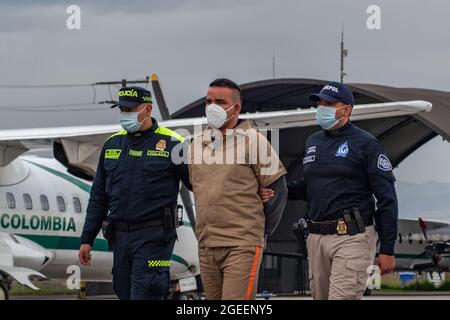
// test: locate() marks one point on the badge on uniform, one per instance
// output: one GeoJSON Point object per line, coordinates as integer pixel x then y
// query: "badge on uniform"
{"type": "Point", "coordinates": [341, 228]}
{"type": "Point", "coordinates": [342, 151]}
{"type": "Point", "coordinates": [384, 163]}
{"type": "Point", "coordinates": [113, 154]}
{"type": "Point", "coordinates": [161, 145]}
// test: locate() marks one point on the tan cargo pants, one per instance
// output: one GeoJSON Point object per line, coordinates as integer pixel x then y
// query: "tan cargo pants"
{"type": "Point", "coordinates": [338, 264]}
{"type": "Point", "coordinates": [230, 273]}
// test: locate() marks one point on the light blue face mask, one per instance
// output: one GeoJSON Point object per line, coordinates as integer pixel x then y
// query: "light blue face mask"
{"type": "Point", "coordinates": [129, 121]}
{"type": "Point", "coordinates": [326, 117]}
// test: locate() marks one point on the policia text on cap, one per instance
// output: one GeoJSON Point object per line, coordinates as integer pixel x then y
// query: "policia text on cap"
{"type": "Point", "coordinates": [344, 167]}
{"type": "Point", "coordinates": [134, 196]}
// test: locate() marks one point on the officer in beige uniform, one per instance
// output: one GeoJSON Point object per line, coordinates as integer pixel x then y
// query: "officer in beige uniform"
{"type": "Point", "coordinates": [229, 162]}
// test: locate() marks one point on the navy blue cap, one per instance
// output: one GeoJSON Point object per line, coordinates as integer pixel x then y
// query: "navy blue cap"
{"type": "Point", "coordinates": [131, 97]}
{"type": "Point", "coordinates": [334, 92]}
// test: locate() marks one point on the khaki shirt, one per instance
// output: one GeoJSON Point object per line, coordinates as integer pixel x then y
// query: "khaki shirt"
{"type": "Point", "coordinates": [225, 174]}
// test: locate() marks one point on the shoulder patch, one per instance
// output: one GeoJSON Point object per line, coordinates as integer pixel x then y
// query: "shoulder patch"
{"type": "Point", "coordinates": [384, 163]}
{"type": "Point", "coordinates": [120, 133]}
{"type": "Point", "coordinates": [170, 133]}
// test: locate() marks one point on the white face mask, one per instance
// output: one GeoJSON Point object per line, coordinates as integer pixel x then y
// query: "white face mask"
{"type": "Point", "coordinates": [217, 116]}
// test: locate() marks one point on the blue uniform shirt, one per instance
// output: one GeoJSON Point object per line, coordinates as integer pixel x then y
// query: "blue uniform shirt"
{"type": "Point", "coordinates": [135, 177]}
{"type": "Point", "coordinates": [345, 169]}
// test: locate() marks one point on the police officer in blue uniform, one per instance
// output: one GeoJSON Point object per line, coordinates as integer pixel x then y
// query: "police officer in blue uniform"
{"type": "Point", "coordinates": [134, 199]}
{"type": "Point", "coordinates": [344, 167]}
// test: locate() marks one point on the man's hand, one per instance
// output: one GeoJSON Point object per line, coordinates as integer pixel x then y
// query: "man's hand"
{"type": "Point", "coordinates": [85, 254]}
{"type": "Point", "coordinates": [386, 263]}
{"type": "Point", "coordinates": [265, 194]}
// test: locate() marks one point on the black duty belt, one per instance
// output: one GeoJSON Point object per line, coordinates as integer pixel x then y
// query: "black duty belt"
{"type": "Point", "coordinates": [132, 226]}
{"type": "Point", "coordinates": [338, 227]}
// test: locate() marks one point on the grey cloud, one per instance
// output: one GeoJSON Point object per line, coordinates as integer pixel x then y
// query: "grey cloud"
{"type": "Point", "coordinates": [189, 43]}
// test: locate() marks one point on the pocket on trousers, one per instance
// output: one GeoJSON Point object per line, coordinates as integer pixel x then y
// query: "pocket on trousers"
{"type": "Point", "coordinates": [357, 271]}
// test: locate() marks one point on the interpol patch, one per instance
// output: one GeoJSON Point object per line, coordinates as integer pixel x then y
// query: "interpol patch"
{"type": "Point", "coordinates": [384, 163]}
{"type": "Point", "coordinates": [342, 151]}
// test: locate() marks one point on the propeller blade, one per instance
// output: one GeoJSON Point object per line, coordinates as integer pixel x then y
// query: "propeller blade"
{"type": "Point", "coordinates": [436, 258]}
{"type": "Point", "coordinates": [186, 198]}
{"type": "Point", "coordinates": [423, 227]}
{"type": "Point", "coordinates": [163, 110]}
{"type": "Point", "coordinates": [165, 115]}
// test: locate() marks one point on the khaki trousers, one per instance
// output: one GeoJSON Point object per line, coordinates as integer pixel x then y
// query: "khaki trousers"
{"type": "Point", "coordinates": [230, 273]}
{"type": "Point", "coordinates": [338, 264]}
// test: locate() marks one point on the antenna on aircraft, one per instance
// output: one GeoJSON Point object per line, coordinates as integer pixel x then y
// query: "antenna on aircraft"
{"type": "Point", "coordinates": [344, 53]}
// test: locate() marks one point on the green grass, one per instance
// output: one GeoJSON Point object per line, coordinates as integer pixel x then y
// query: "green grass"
{"type": "Point", "coordinates": [46, 288]}
{"type": "Point", "coordinates": [445, 286]}
{"type": "Point", "coordinates": [390, 285]}
{"type": "Point", "coordinates": [421, 285]}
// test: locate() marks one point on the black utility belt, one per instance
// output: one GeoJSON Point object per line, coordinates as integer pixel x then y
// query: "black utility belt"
{"type": "Point", "coordinates": [167, 217]}
{"type": "Point", "coordinates": [132, 226]}
{"type": "Point", "coordinates": [347, 225]}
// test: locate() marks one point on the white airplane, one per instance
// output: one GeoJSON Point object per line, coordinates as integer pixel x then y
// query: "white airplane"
{"type": "Point", "coordinates": [423, 246]}
{"type": "Point", "coordinates": [43, 201]}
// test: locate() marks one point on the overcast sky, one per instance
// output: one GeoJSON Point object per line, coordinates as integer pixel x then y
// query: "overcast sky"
{"type": "Point", "coordinates": [189, 43]}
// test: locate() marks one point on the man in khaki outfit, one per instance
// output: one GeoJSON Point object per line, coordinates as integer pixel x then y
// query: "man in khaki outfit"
{"type": "Point", "coordinates": [229, 162]}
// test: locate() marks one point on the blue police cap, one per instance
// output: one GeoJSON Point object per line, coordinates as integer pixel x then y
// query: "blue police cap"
{"type": "Point", "coordinates": [131, 97]}
{"type": "Point", "coordinates": [334, 92]}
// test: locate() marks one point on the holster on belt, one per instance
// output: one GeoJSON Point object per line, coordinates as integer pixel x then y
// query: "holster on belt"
{"type": "Point", "coordinates": [108, 233]}
{"type": "Point", "coordinates": [354, 221]}
{"type": "Point", "coordinates": [173, 216]}
{"type": "Point", "coordinates": [300, 230]}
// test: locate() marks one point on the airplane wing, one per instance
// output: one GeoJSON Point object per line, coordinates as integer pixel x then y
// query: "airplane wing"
{"type": "Point", "coordinates": [78, 147]}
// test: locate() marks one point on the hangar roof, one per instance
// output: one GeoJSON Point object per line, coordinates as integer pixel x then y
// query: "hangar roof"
{"type": "Point", "coordinates": [400, 135]}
